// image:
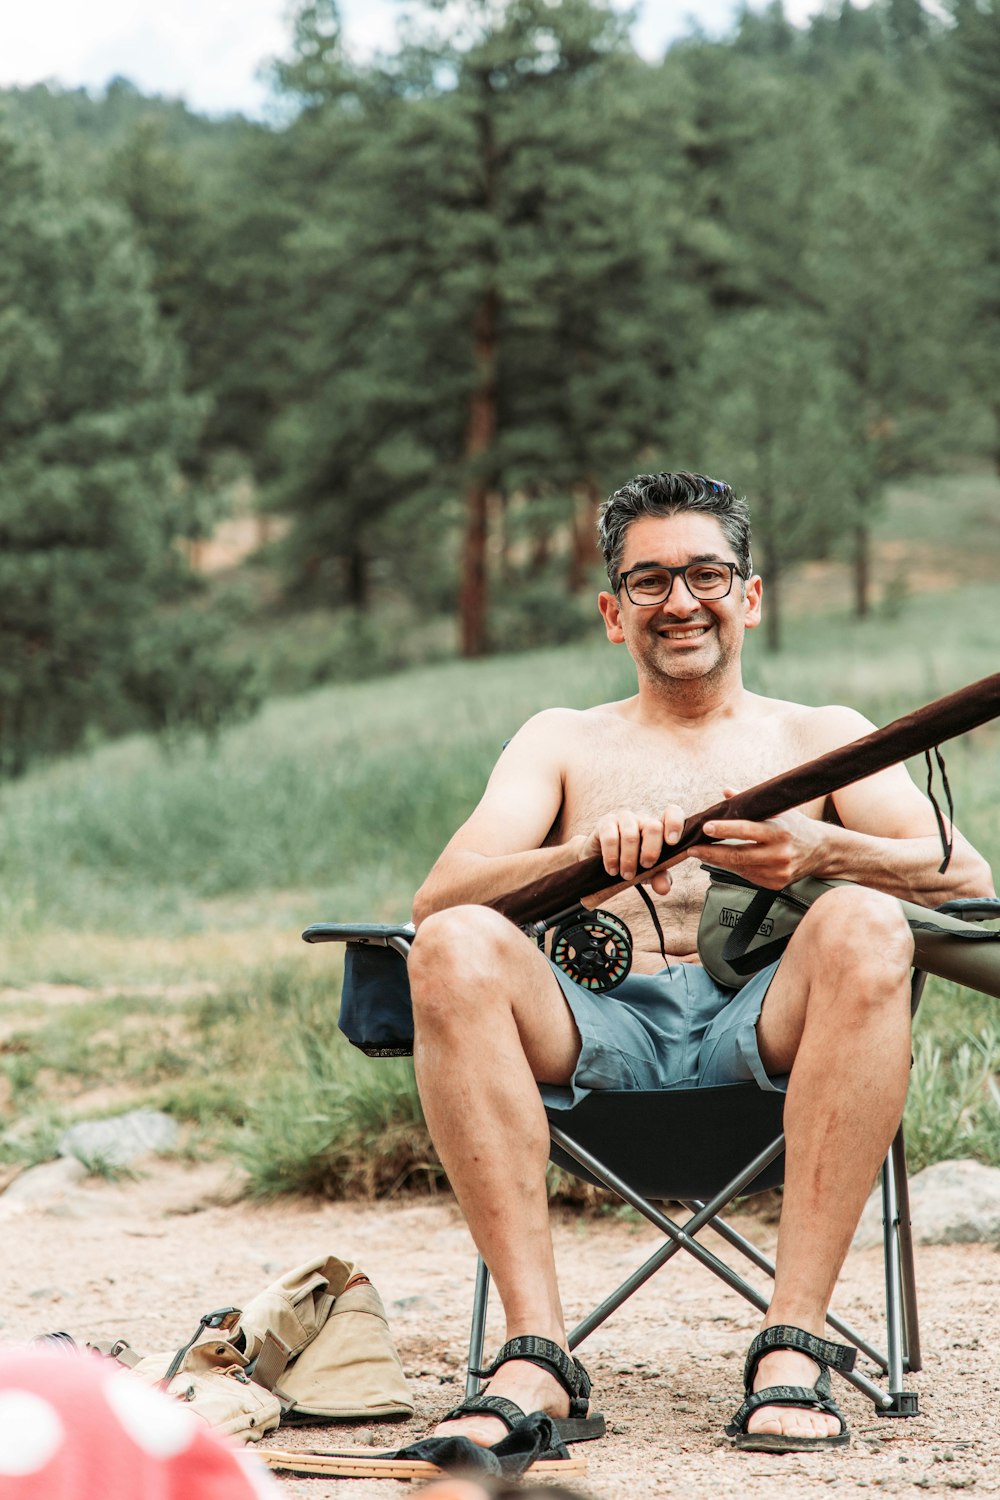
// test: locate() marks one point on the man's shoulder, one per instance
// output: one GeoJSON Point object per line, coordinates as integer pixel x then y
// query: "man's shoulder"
{"type": "Point", "coordinates": [556, 737]}
{"type": "Point", "coordinates": [819, 727]}
{"type": "Point", "coordinates": [575, 721]}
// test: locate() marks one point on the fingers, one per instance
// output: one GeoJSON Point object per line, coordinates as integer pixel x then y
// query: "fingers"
{"type": "Point", "coordinates": [745, 860]}
{"type": "Point", "coordinates": [626, 840]}
{"type": "Point", "coordinates": [630, 842]}
{"type": "Point", "coordinates": [743, 828]}
{"type": "Point", "coordinates": [673, 823]}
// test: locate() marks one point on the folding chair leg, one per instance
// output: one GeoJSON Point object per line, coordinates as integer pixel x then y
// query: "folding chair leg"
{"type": "Point", "coordinates": [682, 1238]}
{"type": "Point", "coordinates": [901, 1306]}
{"type": "Point", "coordinates": [749, 1249]}
{"type": "Point", "coordinates": [477, 1333]}
{"type": "Point", "coordinates": [897, 1274]}
{"type": "Point", "coordinates": [907, 1274]}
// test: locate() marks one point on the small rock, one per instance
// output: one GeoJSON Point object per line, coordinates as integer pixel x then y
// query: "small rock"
{"type": "Point", "coordinates": [951, 1203]}
{"type": "Point", "coordinates": [120, 1140]}
{"type": "Point", "coordinates": [45, 1183]}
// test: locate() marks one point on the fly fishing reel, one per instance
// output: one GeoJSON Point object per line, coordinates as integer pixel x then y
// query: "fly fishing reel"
{"type": "Point", "coordinates": [593, 947]}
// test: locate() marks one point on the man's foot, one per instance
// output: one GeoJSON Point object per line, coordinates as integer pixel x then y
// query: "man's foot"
{"type": "Point", "coordinates": [788, 1406]}
{"type": "Point", "coordinates": [529, 1374]}
{"type": "Point", "coordinates": [788, 1367]}
{"type": "Point", "coordinates": [526, 1385]}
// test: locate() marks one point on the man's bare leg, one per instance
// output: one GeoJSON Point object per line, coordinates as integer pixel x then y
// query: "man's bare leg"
{"type": "Point", "coordinates": [837, 1018]}
{"type": "Point", "coordinates": [490, 1019]}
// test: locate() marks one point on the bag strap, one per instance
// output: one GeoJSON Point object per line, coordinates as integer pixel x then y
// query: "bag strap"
{"type": "Point", "coordinates": [270, 1363]}
{"type": "Point", "coordinates": [735, 952]}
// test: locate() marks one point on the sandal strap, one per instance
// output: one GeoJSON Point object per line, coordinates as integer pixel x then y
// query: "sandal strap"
{"type": "Point", "coordinates": [508, 1411]}
{"type": "Point", "coordinates": [825, 1352]}
{"type": "Point", "coordinates": [810, 1397]}
{"type": "Point", "coordinates": [547, 1355]}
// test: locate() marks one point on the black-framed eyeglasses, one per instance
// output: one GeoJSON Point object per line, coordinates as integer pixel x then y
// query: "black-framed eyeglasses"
{"type": "Point", "coordinates": [653, 585]}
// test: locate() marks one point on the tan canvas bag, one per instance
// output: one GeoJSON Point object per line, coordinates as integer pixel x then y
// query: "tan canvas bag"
{"type": "Point", "coordinates": [211, 1380]}
{"type": "Point", "coordinates": [318, 1337]}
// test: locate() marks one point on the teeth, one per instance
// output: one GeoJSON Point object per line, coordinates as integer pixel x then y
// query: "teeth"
{"type": "Point", "coordinates": [683, 635]}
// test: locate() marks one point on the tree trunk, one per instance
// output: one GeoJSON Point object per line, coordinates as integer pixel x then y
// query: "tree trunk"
{"type": "Point", "coordinates": [481, 422]}
{"type": "Point", "coordinates": [541, 550]}
{"type": "Point", "coordinates": [772, 611]}
{"type": "Point", "coordinates": [480, 433]}
{"type": "Point", "coordinates": [500, 527]}
{"type": "Point", "coordinates": [862, 570]}
{"type": "Point", "coordinates": [356, 569]}
{"type": "Point", "coordinates": [584, 553]}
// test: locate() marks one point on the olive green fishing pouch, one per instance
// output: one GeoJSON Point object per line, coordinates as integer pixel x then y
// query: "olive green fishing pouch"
{"type": "Point", "coordinates": [744, 927]}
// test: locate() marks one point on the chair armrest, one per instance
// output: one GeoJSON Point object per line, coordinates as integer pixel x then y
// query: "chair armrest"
{"type": "Point", "coordinates": [972, 908]}
{"type": "Point", "coordinates": [372, 934]}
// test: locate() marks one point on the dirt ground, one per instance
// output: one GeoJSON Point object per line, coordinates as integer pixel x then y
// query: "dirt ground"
{"type": "Point", "coordinates": [144, 1259]}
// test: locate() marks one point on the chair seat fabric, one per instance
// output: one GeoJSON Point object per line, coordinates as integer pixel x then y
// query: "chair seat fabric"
{"type": "Point", "coordinates": [675, 1144]}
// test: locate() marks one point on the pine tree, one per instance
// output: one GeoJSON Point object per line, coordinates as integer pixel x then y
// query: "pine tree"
{"type": "Point", "coordinates": [972, 70]}
{"type": "Point", "coordinates": [478, 265]}
{"type": "Point", "coordinates": [92, 425]}
{"type": "Point", "coordinates": [881, 268]}
{"type": "Point", "coordinates": [767, 411]}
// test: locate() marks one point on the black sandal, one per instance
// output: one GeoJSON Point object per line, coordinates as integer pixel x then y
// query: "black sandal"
{"type": "Point", "coordinates": [817, 1397]}
{"type": "Point", "coordinates": [578, 1427]}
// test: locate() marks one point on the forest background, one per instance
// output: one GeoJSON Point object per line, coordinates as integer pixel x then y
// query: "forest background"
{"type": "Point", "coordinates": [303, 426]}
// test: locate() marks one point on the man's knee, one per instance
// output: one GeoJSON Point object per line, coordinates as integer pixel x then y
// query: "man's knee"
{"type": "Point", "coordinates": [860, 934]}
{"type": "Point", "coordinates": [456, 955]}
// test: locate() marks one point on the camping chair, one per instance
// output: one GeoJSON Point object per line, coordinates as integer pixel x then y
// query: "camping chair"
{"type": "Point", "coordinates": [733, 1146]}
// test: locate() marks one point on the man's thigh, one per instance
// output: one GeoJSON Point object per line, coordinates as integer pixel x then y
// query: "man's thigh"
{"type": "Point", "coordinates": [848, 942]}
{"type": "Point", "coordinates": [783, 1013]}
{"type": "Point", "coordinates": [544, 1020]}
{"type": "Point", "coordinates": [473, 970]}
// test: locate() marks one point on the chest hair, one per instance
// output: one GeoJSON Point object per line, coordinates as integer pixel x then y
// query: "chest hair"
{"type": "Point", "coordinates": [620, 765]}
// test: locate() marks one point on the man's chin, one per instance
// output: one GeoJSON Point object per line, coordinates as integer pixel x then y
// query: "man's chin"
{"type": "Point", "coordinates": [689, 665]}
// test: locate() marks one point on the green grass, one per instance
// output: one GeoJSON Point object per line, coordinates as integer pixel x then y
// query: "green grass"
{"type": "Point", "coordinates": [130, 870]}
{"type": "Point", "coordinates": [341, 798]}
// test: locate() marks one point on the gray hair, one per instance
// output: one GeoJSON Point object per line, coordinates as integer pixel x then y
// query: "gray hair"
{"type": "Point", "coordinates": [666, 495]}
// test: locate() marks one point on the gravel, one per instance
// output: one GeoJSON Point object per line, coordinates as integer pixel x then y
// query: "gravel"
{"type": "Point", "coordinates": [144, 1259]}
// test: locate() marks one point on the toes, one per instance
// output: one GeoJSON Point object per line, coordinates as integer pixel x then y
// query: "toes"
{"type": "Point", "coordinates": [792, 1421]}
{"type": "Point", "coordinates": [483, 1433]}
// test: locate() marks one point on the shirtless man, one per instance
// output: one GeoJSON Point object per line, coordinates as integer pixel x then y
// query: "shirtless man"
{"type": "Point", "coordinates": [494, 1018]}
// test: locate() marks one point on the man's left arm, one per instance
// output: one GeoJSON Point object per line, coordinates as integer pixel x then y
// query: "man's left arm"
{"type": "Point", "coordinates": [888, 840]}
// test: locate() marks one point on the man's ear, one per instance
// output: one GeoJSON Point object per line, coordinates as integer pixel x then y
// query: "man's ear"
{"type": "Point", "coordinates": [612, 615]}
{"type": "Point", "coordinates": [752, 600]}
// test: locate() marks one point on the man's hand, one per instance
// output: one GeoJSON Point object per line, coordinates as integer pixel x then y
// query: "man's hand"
{"type": "Point", "coordinates": [774, 853]}
{"type": "Point", "coordinates": [629, 842]}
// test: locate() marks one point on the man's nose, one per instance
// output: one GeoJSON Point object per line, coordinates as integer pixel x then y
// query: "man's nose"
{"type": "Point", "coordinates": [680, 599]}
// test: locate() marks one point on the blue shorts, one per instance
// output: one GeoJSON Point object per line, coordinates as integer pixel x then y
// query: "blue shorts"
{"type": "Point", "coordinates": [676, 1029]}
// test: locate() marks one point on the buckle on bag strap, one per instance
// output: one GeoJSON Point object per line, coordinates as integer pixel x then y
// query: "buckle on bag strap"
{"type": "Point", "coordinates": [224, 1318]}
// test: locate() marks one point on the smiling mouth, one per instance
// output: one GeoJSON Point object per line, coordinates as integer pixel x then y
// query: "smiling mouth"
{"type": "Point", "coordinates": [685, 632]}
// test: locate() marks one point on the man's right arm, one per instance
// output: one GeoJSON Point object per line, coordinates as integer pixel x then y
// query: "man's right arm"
{"type": "Point", "coordinates": [499, 848]}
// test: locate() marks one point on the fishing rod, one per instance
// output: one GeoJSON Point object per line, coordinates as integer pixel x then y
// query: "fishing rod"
{"type": "Point", "coordinates": [586, 882]}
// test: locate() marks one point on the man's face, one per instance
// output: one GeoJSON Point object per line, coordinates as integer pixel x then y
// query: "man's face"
{"type": "Point", "coordinates": [683, 638]}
